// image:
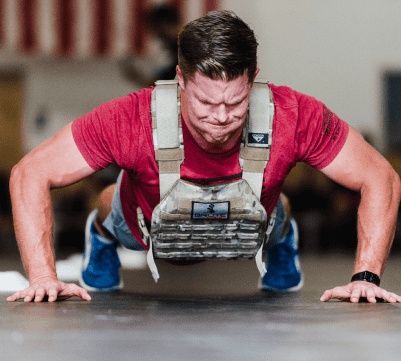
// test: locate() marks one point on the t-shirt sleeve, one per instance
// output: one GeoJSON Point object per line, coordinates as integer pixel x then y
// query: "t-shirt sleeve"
{"type": "Point", "coordinates": [321, 134]}
{"type": "Point", "coordinates": [104, 136]}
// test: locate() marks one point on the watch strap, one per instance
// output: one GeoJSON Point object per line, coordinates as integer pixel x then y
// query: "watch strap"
{"type": "Point", "coordinates": [367, 277]}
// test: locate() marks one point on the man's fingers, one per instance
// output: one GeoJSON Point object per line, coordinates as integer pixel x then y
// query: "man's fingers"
{"type": "Point", "coordinates": [355, 295]}
{"type": "Point", "coordinates": [29, 295]}
{"type": "Point", "coordinates": [392, 297]}
{"type": "Point", "coordinates": [371, 296]}
{"type": "Point", "coordinates": [388, 296]}
{"type": "Point", "coordinates": [339, 293]}
{"type": "Point", "coordinates": [52, 294]}
{"type": "Point", "coordinates": [81, 292]}
{"type": "Point", "coordinates": [53, 291]}
{"type": "Point", "coordinates": [40, 294]}
{"type": "Point", "coordinates": [14, 297]}
{"type": "Point", "coordinates": [74, 290]}
{"type": "Point", "coordinates": [326, 296]}
{"type": "Point", "coordinates": [84, 295]}
{"type": "Point", "coordinates": [355, 291]}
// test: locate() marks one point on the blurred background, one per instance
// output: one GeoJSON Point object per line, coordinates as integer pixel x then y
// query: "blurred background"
{"type": "Point", "coordinates": [61, 58]}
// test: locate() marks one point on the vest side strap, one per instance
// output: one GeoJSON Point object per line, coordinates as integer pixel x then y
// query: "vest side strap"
{"type": "Point", "coordinates": [168, 166]}
{"type": "Point", "coordinates": [169, 154]}
{"type": "Point", "coordinates": [151, 263]}
{"type": "Point", "coordinates": [254, 166]}
{"type": "Point", "coordinates": [258, 258]}
{"type": "Point", "coordinates": [153, 110]}
{"type": "Point", "coordinates": [254, 153]}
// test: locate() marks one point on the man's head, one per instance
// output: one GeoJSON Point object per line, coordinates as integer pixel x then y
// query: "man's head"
{"type": "Point", "coordinates": [219, 46]}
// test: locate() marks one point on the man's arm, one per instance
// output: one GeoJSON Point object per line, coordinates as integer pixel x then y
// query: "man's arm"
{"type": "Point", "coordinates": [56, 163]}
{"type": "Point", "coordinates": [361, 168]}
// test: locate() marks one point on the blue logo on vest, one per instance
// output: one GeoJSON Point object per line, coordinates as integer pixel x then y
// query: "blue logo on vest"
{"type": "Point", "coordinates": [258, 138]}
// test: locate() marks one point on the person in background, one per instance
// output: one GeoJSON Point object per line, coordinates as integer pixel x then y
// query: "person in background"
{"type": "Point", "coordinates": [163, 23]}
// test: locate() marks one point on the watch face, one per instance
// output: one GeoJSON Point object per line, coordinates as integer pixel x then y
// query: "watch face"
{"type": "Point", "coordinates": [371, 277]}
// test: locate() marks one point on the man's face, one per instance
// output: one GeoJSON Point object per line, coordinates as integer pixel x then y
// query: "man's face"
{"type": "Point", "coordinates": [215, 110]}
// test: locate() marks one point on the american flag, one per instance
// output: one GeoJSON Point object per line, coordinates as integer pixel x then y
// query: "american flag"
{"type": "Point", "coordinates": [83, 28]}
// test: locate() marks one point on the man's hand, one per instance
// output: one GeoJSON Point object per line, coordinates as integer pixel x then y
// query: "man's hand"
{"type": "Point", "coordinates": [50, 288]}
{"type": "Point", "coordinates": [355, 290]}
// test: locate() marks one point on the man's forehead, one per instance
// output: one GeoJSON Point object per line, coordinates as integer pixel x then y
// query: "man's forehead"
{"type": "Point", "coordinates": [198, 77]}
{"type": "Point", "coordinates": [206, 87]}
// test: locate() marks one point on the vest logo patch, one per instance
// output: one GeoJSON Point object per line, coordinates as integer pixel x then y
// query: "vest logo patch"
{"type": "Point", "coordinates": [259, 138]}
{"type": "Point", "coordinates": [210, 210]}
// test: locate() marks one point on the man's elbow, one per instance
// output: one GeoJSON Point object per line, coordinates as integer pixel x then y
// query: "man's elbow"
{"type": "Point", "coordinates": [389, 181]}
{"type": "Point", "coordinates": [22, 174]}
{"type": "Point", "coordinates": [17, 176]}
{"type": "Point", "coordinates": [396, 185]}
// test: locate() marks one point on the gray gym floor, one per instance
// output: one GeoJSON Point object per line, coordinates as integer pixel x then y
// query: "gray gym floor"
{"type": "Point", "coordinates": [208, 311]}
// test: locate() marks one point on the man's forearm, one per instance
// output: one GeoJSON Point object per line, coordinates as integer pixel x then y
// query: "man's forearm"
{"type": "Point", "coordinates": [377, 216]}
{"type": "Point", "coordinates": [33, 222]}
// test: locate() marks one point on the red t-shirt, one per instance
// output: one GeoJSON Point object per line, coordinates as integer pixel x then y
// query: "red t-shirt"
{"type": "Point", "coordinates": [120, 131]}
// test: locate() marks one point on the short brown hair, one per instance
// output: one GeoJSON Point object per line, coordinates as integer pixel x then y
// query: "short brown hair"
{"type": "Point", "coordinates": [219, 45]}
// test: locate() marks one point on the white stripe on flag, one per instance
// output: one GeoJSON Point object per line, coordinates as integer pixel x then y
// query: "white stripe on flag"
{"type": "Point", "coordinates": [83, 29]}
{"type": "Point", "coordinates": [193, 10]}
{"type": "Point", "coordinates": [47, 32]}
{"type": "Point", "coordinates": [12, 33]}
{"type": "Point", "coordinates": [121, 27]}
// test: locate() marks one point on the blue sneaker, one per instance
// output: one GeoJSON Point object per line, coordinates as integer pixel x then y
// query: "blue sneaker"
{"type": "Point", "coordinates": [101, 265]}
{"type": "Point", "coordinates": [283, 267]}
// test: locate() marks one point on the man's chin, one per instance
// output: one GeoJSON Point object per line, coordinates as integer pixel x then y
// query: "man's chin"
{"type": "Point", "coordinates": [218, 139]}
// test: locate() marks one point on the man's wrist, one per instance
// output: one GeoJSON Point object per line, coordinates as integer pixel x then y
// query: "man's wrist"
{"type": "Point", "coordinates": [367, 277]}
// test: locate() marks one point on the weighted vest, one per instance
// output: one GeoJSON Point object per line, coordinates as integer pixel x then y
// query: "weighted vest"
{"type": "Point", "coordinates": [219, 221]}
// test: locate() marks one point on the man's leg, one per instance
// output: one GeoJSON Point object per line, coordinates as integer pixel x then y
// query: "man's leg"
{"type": "Point", "coordinates": [287, 210]}
{"type": "Point", "coordinates": [104, 207]}
{"type": "Point", "coordinates": [283, 266]}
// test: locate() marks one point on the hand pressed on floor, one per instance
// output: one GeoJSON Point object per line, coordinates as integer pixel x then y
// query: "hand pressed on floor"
{"type": "Point", "coordinates": [51, 289]}
{"type": "Point", "coordinates": [354, 291]}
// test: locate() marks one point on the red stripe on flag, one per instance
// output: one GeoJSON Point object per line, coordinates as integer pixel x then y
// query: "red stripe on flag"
{"type": "Point", "coordinates": [28, 39]}
{"type": "Point", "coordinates": [139, 28]}
{"type": "Point", "coordinates": [65, 24]}
{"type": "Point", "coordinates": [102, 26]}
{"type": "Point", "coordinates": [211, 5]}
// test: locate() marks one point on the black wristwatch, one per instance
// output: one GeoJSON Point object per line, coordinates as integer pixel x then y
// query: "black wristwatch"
{"type": "Point", "coordinates": [366, 276]}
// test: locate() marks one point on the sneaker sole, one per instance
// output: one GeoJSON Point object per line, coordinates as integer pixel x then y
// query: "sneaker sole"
{"type": "Point", "coordinates": [291, 289]}
{"type": "Point", "coordinates": [94, 289]}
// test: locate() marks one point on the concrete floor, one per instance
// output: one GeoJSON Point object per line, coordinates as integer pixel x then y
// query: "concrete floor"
{"type": "Point", "coordinates": [208, 311]}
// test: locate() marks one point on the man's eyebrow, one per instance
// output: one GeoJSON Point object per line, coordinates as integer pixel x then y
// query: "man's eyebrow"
{"type": "Point", "coordinates": [238, 101]}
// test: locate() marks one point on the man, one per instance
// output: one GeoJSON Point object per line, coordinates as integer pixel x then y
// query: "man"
{"type": "Point", "coordinates": [217, 67]}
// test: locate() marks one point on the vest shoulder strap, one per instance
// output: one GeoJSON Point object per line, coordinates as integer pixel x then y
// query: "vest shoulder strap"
{"type": "Point", "coordinates": [167, 132]}
{"type": "Point", "coordinates": [257, 135]}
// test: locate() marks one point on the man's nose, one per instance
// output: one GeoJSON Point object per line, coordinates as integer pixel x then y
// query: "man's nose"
{"type": "Point", "coordinates": [220, 113]}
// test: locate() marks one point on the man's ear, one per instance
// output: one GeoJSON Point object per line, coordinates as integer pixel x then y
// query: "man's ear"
{"type": "Point", "coordinates": [256, 74]}
{"type": "Point", "coordinates": [180, 78]}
